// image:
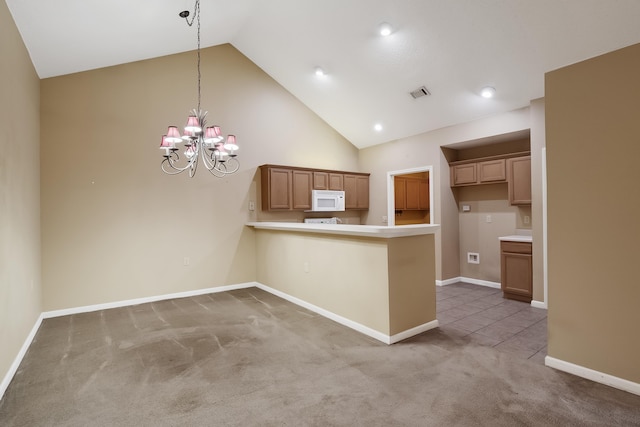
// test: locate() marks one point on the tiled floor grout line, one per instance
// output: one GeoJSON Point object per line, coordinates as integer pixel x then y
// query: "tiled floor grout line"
{"type": "Point", "coordinates": [496, 333]}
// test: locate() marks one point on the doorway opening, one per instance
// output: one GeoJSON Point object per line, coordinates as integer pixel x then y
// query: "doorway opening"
{"type": "Point", "coordinates": [410, 196]}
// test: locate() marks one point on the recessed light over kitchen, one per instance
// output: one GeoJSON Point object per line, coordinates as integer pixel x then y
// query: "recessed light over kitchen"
{"type": "Point", "coordinates": [488, 92]}
{"type": "Point", "coordinates": [377, 127]}
{"type": "Point", "coordinates": [320, 72]}
{"type": "Point", "coordinates": [385, 29]}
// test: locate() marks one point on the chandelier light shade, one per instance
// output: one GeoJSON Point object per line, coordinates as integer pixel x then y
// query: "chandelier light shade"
{"type": "Point", "coordinates": [199, 142]}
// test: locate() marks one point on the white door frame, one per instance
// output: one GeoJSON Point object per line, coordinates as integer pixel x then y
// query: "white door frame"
{"type": "Point", "coordinates": [391, 198]}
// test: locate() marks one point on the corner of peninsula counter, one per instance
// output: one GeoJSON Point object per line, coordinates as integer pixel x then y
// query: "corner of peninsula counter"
{"type": "Point", "coordinates": [379, 280]}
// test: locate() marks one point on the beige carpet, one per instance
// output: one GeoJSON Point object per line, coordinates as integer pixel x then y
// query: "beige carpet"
{"type": "Point", "coordinates": [248, 358]}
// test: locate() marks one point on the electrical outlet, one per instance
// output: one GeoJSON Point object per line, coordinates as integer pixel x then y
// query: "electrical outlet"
{"type": "Point", "coordinates": [489, 218]}
{"type": "Point", "coordinates": [252, 206]}
{"type": "Point", "coordinates": [384, 219]}
{"type": "Point", "coordinates": [527, 220]}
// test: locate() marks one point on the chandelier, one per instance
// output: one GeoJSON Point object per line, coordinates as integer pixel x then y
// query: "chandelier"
{"type": "Point", "coordinates": [200, 143]}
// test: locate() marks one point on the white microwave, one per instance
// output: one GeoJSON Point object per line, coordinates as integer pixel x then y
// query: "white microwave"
{"type": "Point", "coordinates": [327, 200]}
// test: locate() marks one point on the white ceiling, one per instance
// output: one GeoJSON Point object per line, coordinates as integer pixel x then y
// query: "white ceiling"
{"type": "Point", "coordinates": [453, 47]}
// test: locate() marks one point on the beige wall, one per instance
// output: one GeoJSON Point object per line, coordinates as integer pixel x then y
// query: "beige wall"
{"type": "Point", "coordinates": [424, 150]}
{"type": "Point", "coordinates": [20, 303]}
{"type": "Point", "coordinates": [478, 235]}
{"type": "Point", "coordinates": [383, 284]}
{"type": "Point", "coordinates": [114, 226]}
{"type": "Point", "coordinates": [593, 148]}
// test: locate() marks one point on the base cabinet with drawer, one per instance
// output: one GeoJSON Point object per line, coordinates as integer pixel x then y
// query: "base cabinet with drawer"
{"type": "Point", "coordinates": [516, 270]}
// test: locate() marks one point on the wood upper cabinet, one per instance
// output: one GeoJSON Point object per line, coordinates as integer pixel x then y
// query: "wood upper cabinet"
{"type": "Point", "coordinates": [276, 189]}
{"type": "Point", "coordinates": [425, 203]}
{"type": "Point", "coordinates": [519, 169]}
{"type": "Point", "coordinates": [516, 270]}
{"type": "Point", "coordinates": [483, 172]}
{"type": "Point", "coordinates": [320, 180]}
{"type": "Point", "coordinates": [492, 171]}
{"type": "Point", "coordinates": [400, 193]}
{"type": "Point", "coordinates": [356, 191]}
{"type": "Point", "coordinates": [465, 174]}
{"type": "Point", "coordinates": [328, 181]}
{"type": "Point", "coordinates": [411, 193]}
{"type": "Point", "coordinates": [289, 188]}
{"type": "Point", "coordinates": [336, 181]}
{"type": "Point", "coordinates": [301, 184]}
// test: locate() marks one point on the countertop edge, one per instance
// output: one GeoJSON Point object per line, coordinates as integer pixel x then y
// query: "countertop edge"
{"type": "Point", "coordinates": [382, 232]}
{"type": "Point", "coordinates": [516, 238]}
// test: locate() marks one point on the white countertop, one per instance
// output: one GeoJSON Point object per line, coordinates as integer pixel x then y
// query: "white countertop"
{"type": "Point", "coordinates": [517, 238]}
{"type": "Point", "coordinates": [383, 232]}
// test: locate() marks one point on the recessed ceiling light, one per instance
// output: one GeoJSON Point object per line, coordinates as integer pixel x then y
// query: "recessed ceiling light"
{"type": "Point", "coordinates": [385, 29]}
{"type": "Point", "coordinates": [488, 92]}
{"type": "Point", "coordinates": [319, 72]}
{"type": "Point", "coordinates": [377, 127]}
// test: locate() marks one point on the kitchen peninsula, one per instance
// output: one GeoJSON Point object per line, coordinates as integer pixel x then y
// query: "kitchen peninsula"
{"type": "Point", "coordinates": [375, 279]}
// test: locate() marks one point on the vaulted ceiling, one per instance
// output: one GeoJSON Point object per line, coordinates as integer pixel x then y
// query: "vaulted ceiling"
{"type": "Point", "coordinates": [453, 47]}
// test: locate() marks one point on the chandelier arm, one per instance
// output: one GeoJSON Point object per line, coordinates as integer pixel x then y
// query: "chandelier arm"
{"type": "Point", "coordinates": [173, 171]}
{"type": "Point", "coordinates": [217, 171]}
{"type": "Point", "coordinates": [209, 159]}
{"type": "Point", "coordinates": [232, 165]}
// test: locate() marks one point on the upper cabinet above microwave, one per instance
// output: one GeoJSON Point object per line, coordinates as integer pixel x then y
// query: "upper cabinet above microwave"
{"type": "Point", "coordinates": [286, 188]}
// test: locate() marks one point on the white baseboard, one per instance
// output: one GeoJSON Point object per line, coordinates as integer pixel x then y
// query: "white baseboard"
{"type": "Point", "coordinates": [453, 280]}
{"type": "Point", "coordinates": [592, 375]}
{"type": "Point", "coordinates": [136, 301]}
{"type": "Point", "coordinates": [448, 281]}
{"type": "Point", "coordinates": [539, 304]}
{"type": "Point", "coordinates": [413, 331]}
{"type": "Point", "coordinates": [387, 339]}
{"type": "Point", "coordinates": [89, 308]}
{"type": "Point", "coordinates": [18, 359]}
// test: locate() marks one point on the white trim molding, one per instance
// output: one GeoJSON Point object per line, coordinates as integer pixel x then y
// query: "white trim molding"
{"type": "Point", "coordinates": [446, 282]}
{"type": "Point", "coordinates": [125, 303]}
{"type": "Point", "coordinates": [18, 359]}
{"type": "Point", "coordinates": [387, 339]}
{"type": "Point", "coordinates": [539, 304]}
{"type": "Point", "coordinates": [590, 374]}
{"type": "Point", "coordinates": [413, 331]}
{"type": "Point", "coordinates": [487, 283]}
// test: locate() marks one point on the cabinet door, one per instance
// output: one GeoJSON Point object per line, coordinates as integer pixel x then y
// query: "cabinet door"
{"type": "Point", "coordinates": [278, 195]}
{"type": "Point", "coordinates": [463, 174]}
{"type": "Point", "coordinates": [399, 192]}
{"type": "Point", "coordinates": [301, 189]}
{"type": "Point", "coordinates": [350, 190]}
{"type": "Point", "coordinates": [356, 191]}
{"type": "Point", "coordinates": [413, 194]}
{"type": "Point", "coordinates": [516, 280]}
{"type": "Point", "coordinates": [336, 181]}
{"type": "Point", "coordinates": [424, 195]}
{"type": "Point", "coordinates": [492, 171]}
{"type": "Point", "coordinates": [516, 269]}
{"type": "Point", "coordinates": [519, 180]}
{"type": "Point", "coordinates": [362, 188]}
{"type": "Point", "coordinates": [320, 180]}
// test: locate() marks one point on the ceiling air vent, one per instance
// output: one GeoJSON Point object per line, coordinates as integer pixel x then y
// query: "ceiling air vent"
{"type": "Point", "coordinates": [421, 91]}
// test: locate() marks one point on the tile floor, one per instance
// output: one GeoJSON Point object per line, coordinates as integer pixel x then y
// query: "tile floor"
{"type": "Point", "coordinates": [481, 314]}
